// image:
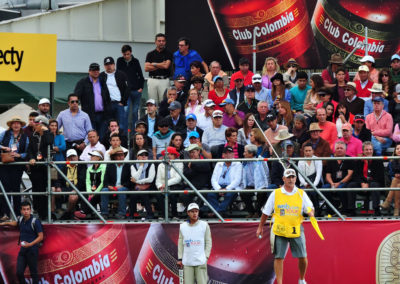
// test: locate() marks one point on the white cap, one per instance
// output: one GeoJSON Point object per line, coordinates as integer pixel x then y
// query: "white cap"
{"type": "Point", "coordinates": [96, 154]}
{"type": "Point", "coordinates": [193, 206]}
{"type": "Point", "coordinates": [363, 68]}
{"type": "Point", "coordinates": [217, 113]}
{"type": "Point", "coordinates": [44, 101]}
{"type": "Point", "coordinates": [289, 172]}
{"type": "Point", "coordinates": [395, 56]}
{"type": "Point", "coordinates": [209, 103]}
{"type": "Point", "coordinates": [151, 101]}
{"type": "Point", "coordinates": [367, 58]}
{"type": "Point", "coordinates": [71, 152]}
{"type": "Point", "coordinates": [256, 78]}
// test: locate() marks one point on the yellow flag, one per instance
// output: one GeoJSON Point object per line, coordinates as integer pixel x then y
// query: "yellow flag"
{"type": "Point", "coordinates": [314, 223]}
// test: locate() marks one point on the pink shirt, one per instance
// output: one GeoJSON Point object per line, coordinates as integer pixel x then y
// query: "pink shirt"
{"type": "Point", "coordinates": [329, 132]}
{"type": "Point", "coordinates": [354, 146]}
{"type": "Point", "coordinates": [382, 126]}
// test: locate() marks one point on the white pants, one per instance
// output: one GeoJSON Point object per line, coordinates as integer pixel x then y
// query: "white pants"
{"type": "Point", "coordinates": [156, 88]}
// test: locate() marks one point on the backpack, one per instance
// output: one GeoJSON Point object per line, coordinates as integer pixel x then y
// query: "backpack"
{"type": "Point", "coordinates": [19, 220]}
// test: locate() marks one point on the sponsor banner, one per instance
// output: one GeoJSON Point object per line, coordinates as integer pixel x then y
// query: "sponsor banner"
{"type": "Point", "coordinates": [28, 57]}
{"type": "Point", "coordinates": [353, 252]}
{"type": "Point", "coordinates": [308, 31]}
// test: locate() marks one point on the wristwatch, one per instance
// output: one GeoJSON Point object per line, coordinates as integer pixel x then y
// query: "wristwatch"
{"type": "Point", "coordinates": [235, 113]}
{"type": "Point", "coordinates": [154, 64]}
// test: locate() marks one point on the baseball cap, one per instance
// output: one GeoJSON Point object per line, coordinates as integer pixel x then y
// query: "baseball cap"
{"type": "Point", "coordinates": [256, 78]}
{"type": "Point", "coordinates": [71, 152]}
{"type": "Point", "coordinates": [193, 147]}
{"type": "Point", "coordinates": [271, 116]}
{"type": "Point", "coordinates": [139, 122]}
{"type": "Point", "coordinates": [367, 58]}
{"type": "Point", "coordinates": [227, 149]}
{"type": "Point", "coordinates": [378, 99]}
{"type": "Point", "coordinates": [217, 78]}
{"type": "Point", "coordinates": [359, 117]}
{"type": "Point", "coordinates": [174, 105]}
{"type": "Point", "coordinates": [141, 152]}
{"type": "Point", "coordinates": [346, 126]}
{"type": "Point", "coordinates": [395, 56]}
{"type": "Point", "coordinates": [194, 134]}
{"type": "Point", "coordinates": [217, 113]}
{"type": "Point", "coordinates": [249, 88]}
{"type": "Point", "coordinates": [239, 76]}
{"type": "Point", "coordinates": [96, 153]}
{"type": "Point", "coordinates": [191, 116]}
{"type": "Point", "coordinates": [42, 119]}
{"type": "Point", "coordinates": [108, 60]}
{"type": "Point", "coordinates": [289, 172]}
{"type": "Point", "coordinates": [209, 103]}
{"type": "Point", "coordinates": [351, 85]}
{"type": "Point", "coordinates": [151, 101]}
{"type": "Point", "coordinates": [94, 67]}
{"type": "Point", "coordinates": [44, 101]}
{"type": "Point", "coordinates": [397, 89]}
{"type": "Point", "coordinates": [180, 78]}
{"type": "Point", "coordinates": [192, 206]}
{"type": "Point", "coordinates": [227, 101]}
{"type": "Point", "coordinates": [363, 68]}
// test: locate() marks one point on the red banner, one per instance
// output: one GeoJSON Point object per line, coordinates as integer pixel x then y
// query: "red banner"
{"type": "Point", "coordinates": [353, 252]}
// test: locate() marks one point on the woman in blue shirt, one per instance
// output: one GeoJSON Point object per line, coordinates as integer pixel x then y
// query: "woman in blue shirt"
{"type": "Point", "coordinates": [13, 141]}
{"type": "Point", "coordinates": [59, 141]}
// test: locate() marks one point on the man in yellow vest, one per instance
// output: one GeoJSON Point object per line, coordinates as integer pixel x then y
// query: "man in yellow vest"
{"type": "Point", "coordinates": [287, 205]}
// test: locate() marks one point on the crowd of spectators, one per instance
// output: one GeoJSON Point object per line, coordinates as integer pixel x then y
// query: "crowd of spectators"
{"type": "Point", "coordinates": [205, 114]}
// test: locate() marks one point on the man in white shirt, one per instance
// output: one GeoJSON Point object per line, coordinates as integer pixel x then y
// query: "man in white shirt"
{"type": "Point", "coordinates": [194, 247]}
{"type": "Point", "coordinates": [287, 205]}
{"type": "Point", "coordinates": [204, 120]}
{"type": "Point", "coordinates": [215, 135]}
{"type": "Point", "coordinates": [93, 145]}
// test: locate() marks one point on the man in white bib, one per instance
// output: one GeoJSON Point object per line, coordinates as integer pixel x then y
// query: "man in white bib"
{"type": "Point", "coordinates": [194, 247]}
{"type": "Point", "coordinates": [287, 205]}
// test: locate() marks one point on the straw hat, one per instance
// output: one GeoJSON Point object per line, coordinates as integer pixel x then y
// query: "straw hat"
{"type": "Point", "coordinates": [336, 58]}
{"type": "Point", "coordinates": [314, 127]}
{"type": "Point", "coordinates": [16, 119]}
{"type": "Point", "coordinates": [291, 61]}
{"type": "Point", "coordinates": [283, 134]}
{"type": "Point", "coordinates": [376, 88]}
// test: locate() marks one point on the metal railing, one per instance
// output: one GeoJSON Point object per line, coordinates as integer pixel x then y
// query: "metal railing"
{"type": "Point", "coordinates": [49, 193]}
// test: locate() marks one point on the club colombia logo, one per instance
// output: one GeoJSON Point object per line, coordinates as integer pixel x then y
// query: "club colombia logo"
{"type": "Point", "coordinates": [388, 259]}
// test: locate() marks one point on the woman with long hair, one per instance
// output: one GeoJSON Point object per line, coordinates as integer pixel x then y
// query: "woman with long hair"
{"type": "Point", "coordinates": [257, 138]}
{"type": "Point", "coordinates": [244, 132]}
{"type": "Point", "coordinates": [219, 93]}
{"type": "Point", "coordinates": [388, 85]}
{"type": "Point", "coordinates": [312, 98]}
{"type": "Point", "coordinates": [278, 92]}
{"type": "Point", "coordinates": [394, 171]}
{"type": "Point", "coordinates": [270, 68]}
{"type": "Point", "coordinates": [177, 143]}
{"type": "Point", "coordinates": [140, 142]}
{"type": "Point", "coordinates": [285, 115]}
{"type": "Point", "coordinates": [342, 116]}
{"type": "Point", "coordinates": [193, 103]}
{"type": "Point", "coordinates": [59, 141]}
{"type": "Point", "coordinates": [300, 130]}
{"type": "Point", "coordinates": [330, 112]}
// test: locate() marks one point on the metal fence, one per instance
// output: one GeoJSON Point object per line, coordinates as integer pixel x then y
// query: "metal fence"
{"type": "Point", "coordinates": [52, 164]}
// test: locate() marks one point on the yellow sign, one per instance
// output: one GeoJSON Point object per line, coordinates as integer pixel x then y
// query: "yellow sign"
{"type": "Point", "coordinates": [28, 57]}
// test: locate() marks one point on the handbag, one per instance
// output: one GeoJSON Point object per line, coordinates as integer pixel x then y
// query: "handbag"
{"type": "Point", "coordinates": [7, 158]}
{"type": "Point", "coordinates": [53, 174]}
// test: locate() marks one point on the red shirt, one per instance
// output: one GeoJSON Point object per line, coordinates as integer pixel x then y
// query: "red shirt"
{"type": "Point", "coordinates": [212, 95]}
{"type": "Point", "coordinates": [247, 79]}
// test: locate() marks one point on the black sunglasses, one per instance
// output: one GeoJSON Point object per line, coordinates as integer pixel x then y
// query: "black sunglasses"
{"type": "Point", "coordinates": [74, 102]}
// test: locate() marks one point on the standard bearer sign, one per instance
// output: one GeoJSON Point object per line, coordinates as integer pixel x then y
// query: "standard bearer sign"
{"type": "Point", "coordinates": [28, 57]}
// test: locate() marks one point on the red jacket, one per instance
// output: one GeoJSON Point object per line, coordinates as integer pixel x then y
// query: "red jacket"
{"type": "Point", "coordinates": [363, 93]}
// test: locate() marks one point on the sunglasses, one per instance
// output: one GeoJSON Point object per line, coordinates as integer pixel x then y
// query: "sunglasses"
{"type": "Point", "coordinates": [385, 75]}
{"type": "Point", "coordinates": [74, 102]}
{"type": "Point", "coordinates": [347, 90]}
{"type": "Point", "coordinates": [292, 65]}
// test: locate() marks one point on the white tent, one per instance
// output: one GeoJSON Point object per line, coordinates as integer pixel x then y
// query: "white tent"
{"type": "Point", "coordinates": [21, 109]}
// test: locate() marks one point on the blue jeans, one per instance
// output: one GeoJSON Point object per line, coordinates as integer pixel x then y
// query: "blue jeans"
{"type": "Point", "coordinates": [121, 202]}
{"type": "Point", "coordinates": [118, 112]}
{"type": "Point", "coordinates": [100, 123]}
{"type": "Point", "coordinates": [379, 147]}
{"type": "Point", "coordinates": [212, 198]}
{"type": "Point", "coordinates": [134, 102]}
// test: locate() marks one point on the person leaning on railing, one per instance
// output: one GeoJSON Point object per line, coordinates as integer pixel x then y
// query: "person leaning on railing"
{"type": "Point", "coordinates": [15, 142]}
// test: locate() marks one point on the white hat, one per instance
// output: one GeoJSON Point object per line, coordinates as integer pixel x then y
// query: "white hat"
{"type": "Point", "coordinates": [289, 172]}
{"type": "Point", "coordinates": [143, 151]}
{"type": "Point", "coordinates": [217, 113]}
{"type": "Point", "coordinates": [44, 101]}
{"type": "Point", "coordinates": [367, 58]}
{"type": "Point", "coordinates": [96, 154]}
{"type": "Point", "coordinates": [256, 78]}
{"type": "Point", "coordinates": [193, 147]}
{"type": "Point", "coordinates": [151, 101]}
{"type": "Point", "coordinates": [209, 103]}
{"type": "Point", "coordinates": [395, 56]}
{"type": "Point", "coordinates": [193, 206]}
{"type": "Point", "coordinates": [363, 68]}
{"type": "Point", "coordinates": [376, 88]}
{"type": "Point", "coordinates": [71, 152]}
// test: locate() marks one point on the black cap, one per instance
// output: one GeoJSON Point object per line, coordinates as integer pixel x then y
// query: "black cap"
{"type": "Point", "coordinates": [271, 116]}
{"type": "Point", "coordinates": [227, 149]}
{"type": "Point", "coordinates": [249, 88]}
{"type": "Point", "coordinates": [140, 122]}
{"type": "Point", "coordinates": [359, 117]}
{"type": "Point", "coordinates": [243, 61]}
{"type": "Point", "coordinates": [94, 67]}
{"type": "Point", "coordinates": [109, 60]}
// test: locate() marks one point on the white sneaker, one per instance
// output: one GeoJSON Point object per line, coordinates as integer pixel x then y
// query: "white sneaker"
{"type": "Point", "coordinates": [302, 281]}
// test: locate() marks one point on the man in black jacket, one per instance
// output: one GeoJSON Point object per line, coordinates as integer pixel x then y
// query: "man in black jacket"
{"type": "Point", "coordinates": [95, 98]}
{"type": "Point", "coordinates": [131, 67]}
{"type": "Point", "coordinates": [117, 85]}
{"type": "Point", "coordinates": [113, 128]}
{"type": "Point", "coordinates": [151, 118]}
{"type": "Point", "coordinates": [116, 178]}
{"type": "Point", "coordinates": [360, 131]}
{"type": "Point", "coordinates": [237, 94]}
{"type": "Point", "coordinates": [176, 120]}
